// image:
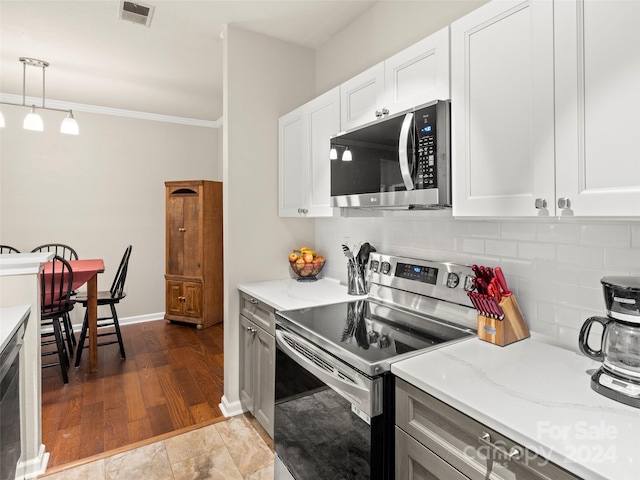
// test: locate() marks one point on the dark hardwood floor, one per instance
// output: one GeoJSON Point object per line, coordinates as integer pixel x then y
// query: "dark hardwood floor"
{"type": "Point", "coordinates": [172, 379]}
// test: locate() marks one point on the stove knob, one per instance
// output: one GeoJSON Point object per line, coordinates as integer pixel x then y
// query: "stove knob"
{"type": "Point", "coordinates": [453, 280]}
{"type": "Point", "coordinates": [385, 267]}
{"type": "Point", "coordinates": [374, 265]}
{"type": "Point", "coordinates": [468, 283]}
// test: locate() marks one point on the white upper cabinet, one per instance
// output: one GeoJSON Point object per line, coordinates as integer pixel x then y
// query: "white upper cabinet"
{"type": "Point", "coordinates": [598, 107]}
{"type": "Point", "coordinates": [417, 75]}
{"type": "Point", "coordinates": [304, 173]}
{"type": "Point", "coordinates": [502, 110]}
{"type": "Point", "coordinates": [545, 103]}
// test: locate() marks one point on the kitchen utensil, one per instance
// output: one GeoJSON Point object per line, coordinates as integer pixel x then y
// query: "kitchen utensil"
{"type": "Point", "coordinates": [504, 290]}
{"type": "Point", "coordinates": [363, 253]}
{"type": "Point", "coordinates": [619, 352]}
{"type": "Point", "coordinates": [348, 253]}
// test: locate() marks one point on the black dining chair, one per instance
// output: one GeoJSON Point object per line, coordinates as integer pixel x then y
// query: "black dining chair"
{"type": "Point", "coordinates": [55, 303]}
{"type": "Point", "coordinates": [111, 297]}
{"type": "Point", "coordinates": [60, 249]}
{"type": "Point", "coordinates": [68, 253]}
{"type": "Point", "coordinates": [8, 249]}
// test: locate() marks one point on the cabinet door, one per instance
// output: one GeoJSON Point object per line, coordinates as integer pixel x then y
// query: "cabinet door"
{"type": "Point", "coordinates": [264, 375]}
{"type": "Point", "coordinates": [323, 121]}
{"type": "Point", "coordinates": [247, 362]}
{"type": "Point", "coordinates": [502, 110]}
{"type": "Point", "coordinates": [361, 96]}
{"type": "Point", "coordinates": [598, 106]}
{"type": "Point", "coordinates": [174, 297]}
{"type": "Point", "coordinates": [292, 168]}
{"type": "Point", "coordinates": [183, 232]}
{"type": "Point", "coordinates": [418, 74]}
{"type": "Point", "coordinates": [192, 303]}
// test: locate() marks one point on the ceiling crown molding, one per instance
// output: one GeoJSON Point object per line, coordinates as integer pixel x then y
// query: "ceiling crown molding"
{"type": "Point", "coordinates": [116, 112]}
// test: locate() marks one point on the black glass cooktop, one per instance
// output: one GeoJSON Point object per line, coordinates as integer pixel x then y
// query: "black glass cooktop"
{"type": "Point", "coordinates": [368, 335]}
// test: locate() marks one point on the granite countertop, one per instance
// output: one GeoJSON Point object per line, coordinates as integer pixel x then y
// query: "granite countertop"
{"type": "Point", "coordinates": [539, 396]}
{"type": "Point", "coordinates": [288, 294]}
{"type": "Point", "coordinates": [11, 318]}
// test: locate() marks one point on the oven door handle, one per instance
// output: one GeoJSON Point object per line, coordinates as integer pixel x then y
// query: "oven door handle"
{"type": "Point", "coordinates": [361, 392]}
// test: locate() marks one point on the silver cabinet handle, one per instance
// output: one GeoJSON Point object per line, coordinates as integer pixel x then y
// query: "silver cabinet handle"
{"type": "Point", "coordinates": [378, 113]}
{"type": "Point", "coordinates": [513, 453]}
{"type": "Point", "coordinates": [253, 301]}
{"type": "Point", "coordinates": [564, 202]}
{"type": "Point", "coordinates": [385, 111]}
{"type": "Point", "coordinates": [541, 204]}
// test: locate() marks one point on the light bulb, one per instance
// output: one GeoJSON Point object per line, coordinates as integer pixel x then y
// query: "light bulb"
{"type": "Point", "coordinates": [333, 154]}
{"type": "Point", "coordinates": [33, 121]}
{"type": "Point", "coordinates": [69, 125]}
{"type": "Point", "coordinates": [346, 156]}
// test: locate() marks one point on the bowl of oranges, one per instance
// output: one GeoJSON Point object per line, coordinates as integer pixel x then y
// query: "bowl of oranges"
{"type": "Point", "coordinates": [306, 264]}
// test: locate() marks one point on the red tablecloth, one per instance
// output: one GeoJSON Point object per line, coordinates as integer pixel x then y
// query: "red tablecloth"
{"type": "Point", "coordinates": [85, 271]}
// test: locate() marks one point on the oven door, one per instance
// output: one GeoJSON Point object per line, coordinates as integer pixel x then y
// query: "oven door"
{"type": "Point", "coordinates": [323, 428]}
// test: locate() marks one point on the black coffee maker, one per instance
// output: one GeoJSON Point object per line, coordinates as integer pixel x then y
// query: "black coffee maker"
{"type": "Point", "coordinates": [619, 376]}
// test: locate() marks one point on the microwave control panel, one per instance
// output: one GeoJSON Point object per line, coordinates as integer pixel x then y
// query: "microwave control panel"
{"type": "Point", "coordinates": [425, 121]}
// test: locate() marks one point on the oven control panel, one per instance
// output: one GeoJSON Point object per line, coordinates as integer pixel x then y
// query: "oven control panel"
{"type": "Point", "coordinates": [442, 280]}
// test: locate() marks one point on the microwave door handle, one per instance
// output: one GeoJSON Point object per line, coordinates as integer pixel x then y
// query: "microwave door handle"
{"type": "Point", "coordinates": [406, 129]}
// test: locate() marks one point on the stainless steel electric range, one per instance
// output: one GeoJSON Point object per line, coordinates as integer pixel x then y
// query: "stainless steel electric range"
{"type": "Point", "coordinates": [334, 405]}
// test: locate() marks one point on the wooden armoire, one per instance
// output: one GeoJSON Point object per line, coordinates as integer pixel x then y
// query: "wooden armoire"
{"type": "Point", "coordinates": [194, 262]}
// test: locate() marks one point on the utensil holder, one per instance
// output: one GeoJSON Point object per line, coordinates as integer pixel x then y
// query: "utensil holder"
{"type": "Point", "coordinates": [355, 279]}
{"type": "Point", "coordinates": [507, 330]}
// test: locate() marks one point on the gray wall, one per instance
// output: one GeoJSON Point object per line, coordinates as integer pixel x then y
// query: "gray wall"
{"type": "Point", "coordinates": [264, 79]}
{"type": "Point", "coordinates": [100, 191]}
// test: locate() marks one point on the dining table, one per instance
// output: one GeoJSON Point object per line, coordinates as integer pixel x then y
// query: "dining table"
{"type": "Point", "coordinates": [86, 271]}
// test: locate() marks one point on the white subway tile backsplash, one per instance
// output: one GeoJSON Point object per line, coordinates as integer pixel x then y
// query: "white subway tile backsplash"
{"type": "Point", "coordinates": [558, 233]}
{"type": "Point", "coordinates": [578, 255]}
{"type": "Point", "coordinates": [533, 251]}
{"type": "Point", "coordinates": [606, 235]}
{"type": "Point", "coordinates": [553, 265]}
{"type": "Point", "coordinates": [472, 245]}
{"type": "Point", "coordinates": [622, 259]}
{"type": "Point", "coordinates": [518, 231]}
{"type": "Point", "coordinates": [501, 248]}
{"type": "Point", "coordinates": [635, 235]}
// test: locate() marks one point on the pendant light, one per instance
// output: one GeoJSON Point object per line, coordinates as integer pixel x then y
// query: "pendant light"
{"type": "Point", "coordinates": [33, 121]}
{"type": "Point", "coordinates": [333, 154]}
{"type": "Point", "coordinates": [346, 156]}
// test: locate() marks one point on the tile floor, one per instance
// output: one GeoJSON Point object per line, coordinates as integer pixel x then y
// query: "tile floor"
{"type": "Point", "coordinates": [235, 449]}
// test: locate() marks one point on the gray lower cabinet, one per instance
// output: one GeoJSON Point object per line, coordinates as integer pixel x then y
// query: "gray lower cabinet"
{"type": "Point", "coordinates": [437, 442]}
{"type": "Point", "coordinates": [257, 359]}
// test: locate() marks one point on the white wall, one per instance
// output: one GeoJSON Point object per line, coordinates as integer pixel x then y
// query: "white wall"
{"type": "Point", "coordinates": [385, 29]}
{"type": "Point", "coordinates": [100, 191]}
{"type": "Point", "coordinates": [264, 79]}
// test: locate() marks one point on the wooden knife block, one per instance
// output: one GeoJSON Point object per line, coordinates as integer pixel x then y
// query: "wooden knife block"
{"type": "Point", "coordinates": [508, 330]}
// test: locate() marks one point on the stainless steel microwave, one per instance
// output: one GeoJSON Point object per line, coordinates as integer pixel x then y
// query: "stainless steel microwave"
{"type": "Point", "coordinates": [403, 161]}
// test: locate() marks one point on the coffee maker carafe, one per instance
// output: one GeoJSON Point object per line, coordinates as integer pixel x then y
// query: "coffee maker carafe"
{"type": "Point", "coordinates": [619, 376]}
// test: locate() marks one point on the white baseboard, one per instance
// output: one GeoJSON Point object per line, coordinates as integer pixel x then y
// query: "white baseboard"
{"type": "Point", "coordinates": [149, 317]}
{"type": "Point", "coordinates": [230, 409]}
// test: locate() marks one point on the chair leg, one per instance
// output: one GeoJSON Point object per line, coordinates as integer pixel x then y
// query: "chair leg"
{"type": "Point", "coordinates": [68, 330]}
{"type": "Point", "coordinates": [116, 324]}
{"type": "Point", "coordinates": [62, 354]}
{"type": "Point", "coordinates": [81, 340]}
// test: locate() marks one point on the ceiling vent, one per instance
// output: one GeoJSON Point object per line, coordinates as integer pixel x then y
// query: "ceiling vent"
{"type": "Point", "coordinates": [136, 12]}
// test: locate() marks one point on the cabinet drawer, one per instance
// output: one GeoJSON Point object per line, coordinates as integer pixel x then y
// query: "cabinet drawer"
{"type": "Point", "coordinates": [472, 448]}
{"type": "Point", "coordinates": [258, 312]}
{"type": "Point", "coordinates": [417, 462]}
